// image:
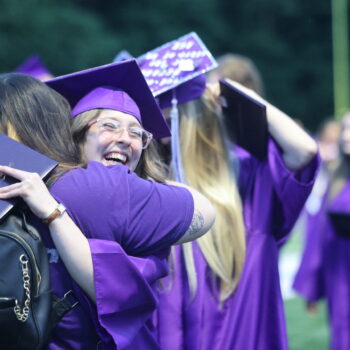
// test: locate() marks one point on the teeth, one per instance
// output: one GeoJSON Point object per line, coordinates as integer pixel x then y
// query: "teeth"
{"type": "Point", "coordinates": [116, 157]}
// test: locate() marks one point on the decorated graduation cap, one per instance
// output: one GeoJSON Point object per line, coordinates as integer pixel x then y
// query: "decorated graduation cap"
{"type": "Point", "coordinates": [177, 69]}
{"type": "Point", "coordinates": [175, 72]}
{"type": "Point", "coordinates": [245, 119]}
{"type": "Point", "coordinates": [34, 66]}
{"type": "Point", "coordinates": [119, 86]}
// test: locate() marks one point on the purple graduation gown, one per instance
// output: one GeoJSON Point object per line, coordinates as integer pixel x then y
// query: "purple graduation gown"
{"type": "Point", "coordinates": [325, 269]}
{"type": "Point", "coordinates": [114, 208]}
{"type": "Point", "coordinates": [253, 317]}
{"type": "Point", "coordinates": [308, 281]}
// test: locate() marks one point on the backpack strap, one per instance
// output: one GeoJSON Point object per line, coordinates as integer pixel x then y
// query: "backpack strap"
{"type": "Point", "coordinates": [62, 306]}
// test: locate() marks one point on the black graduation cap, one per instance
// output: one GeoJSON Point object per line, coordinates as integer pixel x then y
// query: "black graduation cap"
{"type": "Point", "coordinates": [341, 223]}
{"type": "Point", "coordinates": [245, 120]}
{"type": "Point", "coordinates": [19, 156]}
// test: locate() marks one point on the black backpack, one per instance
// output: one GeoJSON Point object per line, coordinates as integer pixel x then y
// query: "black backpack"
{"type": "Point", "coordinates": [28, 309]}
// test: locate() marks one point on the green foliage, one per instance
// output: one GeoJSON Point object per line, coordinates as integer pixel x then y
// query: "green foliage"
{"type": "Point", "coordinates": [68, 38]}
{"type": "Point", "coordinates": [290, 41]}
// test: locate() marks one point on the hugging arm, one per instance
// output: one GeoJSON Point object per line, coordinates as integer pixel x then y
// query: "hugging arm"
{"type": "Point", "coordinates": [203, 215]}
{"type": "Point", "coordinates": [72, 245]}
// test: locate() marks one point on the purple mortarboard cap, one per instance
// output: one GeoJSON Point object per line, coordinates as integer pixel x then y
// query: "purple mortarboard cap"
{"type": "Point", "coordinates": [34, 66]}
{"type": "Point", "coordinates": [245, 119]}
{"type": "Point", "coordinates": [119, 86]}
{"type": "Point", "coordinates": [175, 74]}
{"type": "Point", "coordinates": [176, 69]}
{"type": "Point", "coordinates": [185, 92]}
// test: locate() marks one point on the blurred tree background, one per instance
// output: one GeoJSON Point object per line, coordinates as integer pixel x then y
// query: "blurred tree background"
{"type": "Point", "coordinates": [290, 41]}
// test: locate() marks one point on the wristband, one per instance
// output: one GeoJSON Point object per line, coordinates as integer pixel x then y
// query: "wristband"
{"type": "Point", "coordinates": [55, 214]}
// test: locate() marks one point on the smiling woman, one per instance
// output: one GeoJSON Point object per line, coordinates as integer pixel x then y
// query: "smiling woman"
{"type": "Point", "coordinates": [115, 137]}
{"type": "Point", "coordinates": [104, 93]}
{"type": "Point", "coordinates": [112, 137]}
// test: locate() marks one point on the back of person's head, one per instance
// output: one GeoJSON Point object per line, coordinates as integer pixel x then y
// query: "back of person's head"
{"type": "Point", "coordinates": [36, 116]}
{"type": "Point", "coordinates": [238, 68]}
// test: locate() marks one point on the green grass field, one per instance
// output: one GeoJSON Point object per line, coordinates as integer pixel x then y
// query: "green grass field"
{"type": "Point", "coordinates": [306, 332]}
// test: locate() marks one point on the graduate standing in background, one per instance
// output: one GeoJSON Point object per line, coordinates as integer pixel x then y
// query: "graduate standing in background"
{"type": "Point", "coordinates": [224, 290]}
{"type": "Point", "coordinates": [325, 266]}
{"type": "Point", "coordinates": [327, 138]}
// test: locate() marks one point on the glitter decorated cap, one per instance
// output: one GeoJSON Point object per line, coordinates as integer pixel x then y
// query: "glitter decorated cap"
{"type": "Point", "coordinates": [119, 86]}
{"type": "Point", "coordinates": [177, 69]}
{"type": "Point", "coordinates": [34, 66]}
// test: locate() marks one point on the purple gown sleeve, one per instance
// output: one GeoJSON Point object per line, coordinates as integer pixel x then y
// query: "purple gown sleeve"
{"type": "Point", "coordinates": [292, 188]}
{"type": "Point", "coordinates": [112, 203]}
{"type": "Point", "coordinates": [273, 195]}
{"type": "Point", "coordinates": [125, 292]}
{"type": "Point", "coordinates": [169, 319]}
{"type": "Point", "coordinates": [117, 211]}
{"type": "Point", "coordinates": [156, 211]}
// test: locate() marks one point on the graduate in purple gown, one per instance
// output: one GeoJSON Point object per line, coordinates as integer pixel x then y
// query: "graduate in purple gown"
{"type": "Point", "coordinates": [112, 206]}
{"type": "Point", "coordinates": [328, 141]}
{"type": "Point", "coordinates": [324, 269]}
{"type": "Point", "coordinates": [224, 291]}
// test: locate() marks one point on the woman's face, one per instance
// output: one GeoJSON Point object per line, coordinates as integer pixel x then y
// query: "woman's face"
{"type": "Point", "coordinates": [345, 136]}
{"type": "Point", "coordinates": [110, 147]}
{"type": "Point", "coordinates": [329, 141]}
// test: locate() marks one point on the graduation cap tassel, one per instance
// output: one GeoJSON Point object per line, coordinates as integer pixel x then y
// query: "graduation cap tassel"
{"type": "Point", "coordinates": [175, 142]}
{"type": "Point", "coordinates": [180, 177]}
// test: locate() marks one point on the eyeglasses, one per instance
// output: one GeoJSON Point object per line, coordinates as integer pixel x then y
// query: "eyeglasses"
{"type": "Point", "coordinates": [115, 127]}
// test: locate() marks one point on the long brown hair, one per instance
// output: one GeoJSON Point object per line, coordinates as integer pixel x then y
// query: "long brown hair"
{"type": "Point", "coordinates": [38, 117]}
{"type": "Point", "coordinates": [150, 165]}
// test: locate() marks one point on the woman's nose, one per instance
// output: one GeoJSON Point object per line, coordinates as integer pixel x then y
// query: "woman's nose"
{"type": "Point", "coordinates": [123, 136]}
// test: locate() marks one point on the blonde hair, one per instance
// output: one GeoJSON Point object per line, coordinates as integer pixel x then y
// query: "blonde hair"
{"type": "Point", "coordinates": [207, 168]}
{"type": "Point", "coordinates": [149, 167]}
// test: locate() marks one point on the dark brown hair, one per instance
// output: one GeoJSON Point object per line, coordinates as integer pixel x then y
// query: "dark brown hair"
{"type": "Point", "coordinates": [38, 117]}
